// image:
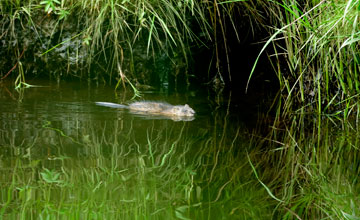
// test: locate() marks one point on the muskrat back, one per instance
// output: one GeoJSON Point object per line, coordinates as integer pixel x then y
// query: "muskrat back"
{"type": "Point", "coordinates": [162, 108]}
{"type": "Point", "coordinates": [152, 107]}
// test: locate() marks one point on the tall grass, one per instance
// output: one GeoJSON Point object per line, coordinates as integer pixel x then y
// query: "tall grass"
{"type": "Point", "coordinates": [105, 40]}
{"type": "Point", "coordinates": [309, 160]}
{"type": "Point", "coordinates": [108, 29]}
{"type": "Point", "coordinates": [317, 41]}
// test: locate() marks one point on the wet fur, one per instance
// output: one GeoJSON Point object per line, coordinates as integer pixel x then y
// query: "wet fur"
{"type": "Point", "coordinates": [159, 108]}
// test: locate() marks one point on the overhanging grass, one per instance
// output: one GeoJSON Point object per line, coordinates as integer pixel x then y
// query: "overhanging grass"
{"type": "Point", "coordinates": [106, 28]}
{"type": "Point", "coordinates": [317, 41]}
{"type": "Point", "coordinates": [109, 31]}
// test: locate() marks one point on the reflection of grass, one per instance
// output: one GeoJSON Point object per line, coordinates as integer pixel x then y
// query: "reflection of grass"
{"type": "Point", "coordinates": [313, 169]}
{"type": "Point", "coordinates": [171, 174]}
{"type": "Point", "coordinates": [163, 169]}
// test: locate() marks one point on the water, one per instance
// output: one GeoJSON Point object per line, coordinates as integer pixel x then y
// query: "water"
{"type": "Point", "coordinates": [62, 155]}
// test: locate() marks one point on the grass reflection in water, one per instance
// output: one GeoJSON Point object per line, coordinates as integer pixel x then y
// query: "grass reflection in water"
{"type": "Point", "coordinates": [73, 161]}
{"type": "Point", "coordinates": [143, 169]}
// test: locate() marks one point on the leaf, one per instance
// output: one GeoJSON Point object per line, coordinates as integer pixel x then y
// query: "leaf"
{"type": "Point", "coordinates": [47, 7]}
{"type": "Point", "coordinates": [349, 217]}
{"type": "Point", "coordinates": [50, 176]}
{"type": "Point", "coordinates": [179, 212]}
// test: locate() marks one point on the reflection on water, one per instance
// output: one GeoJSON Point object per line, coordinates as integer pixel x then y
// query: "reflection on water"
{"type": "Point", "coordinates": [62, 154]}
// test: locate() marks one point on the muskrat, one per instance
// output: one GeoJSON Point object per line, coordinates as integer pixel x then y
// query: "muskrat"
{"type": "Point", "coordinates": [152, 107]}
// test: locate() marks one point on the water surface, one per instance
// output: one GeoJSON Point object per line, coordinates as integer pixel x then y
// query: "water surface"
{"type": "Point", "coordinates": [62, 155]}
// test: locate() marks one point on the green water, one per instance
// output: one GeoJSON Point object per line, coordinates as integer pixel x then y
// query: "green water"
{"type": "Point", "coordinates": [62, 156]}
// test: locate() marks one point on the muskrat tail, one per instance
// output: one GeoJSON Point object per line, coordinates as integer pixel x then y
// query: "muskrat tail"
{"type": "Point", "coordinates": [111, 105]}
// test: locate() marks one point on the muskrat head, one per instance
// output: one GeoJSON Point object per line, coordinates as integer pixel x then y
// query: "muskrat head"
{"type": "Point", "coordinates": [184, 110]}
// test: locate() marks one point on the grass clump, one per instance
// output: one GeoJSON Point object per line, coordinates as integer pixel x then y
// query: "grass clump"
{"type": "Point", "coordinates": [102, 32]}
{"type": "Point", "coordinates": [116, 39]}
{"type": "Point", "coordinates": [317, 41]}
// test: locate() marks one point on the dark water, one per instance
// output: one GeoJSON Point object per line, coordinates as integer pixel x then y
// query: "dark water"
{"type": "Point", "coordinates": [188, 168]}
{"type": "Point", "coordinates": [70, 108]}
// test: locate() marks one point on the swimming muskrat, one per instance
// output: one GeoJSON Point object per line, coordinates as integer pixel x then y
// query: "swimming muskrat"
{"type": "Point", "coordinates": [152, 107]}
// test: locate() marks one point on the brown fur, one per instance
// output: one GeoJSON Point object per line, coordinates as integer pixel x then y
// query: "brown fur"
{"type": "Point", "coordinates": [162, 108]}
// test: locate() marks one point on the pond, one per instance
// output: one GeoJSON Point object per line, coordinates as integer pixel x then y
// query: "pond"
{"type": "Point", "coordinates": [61, 155]}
